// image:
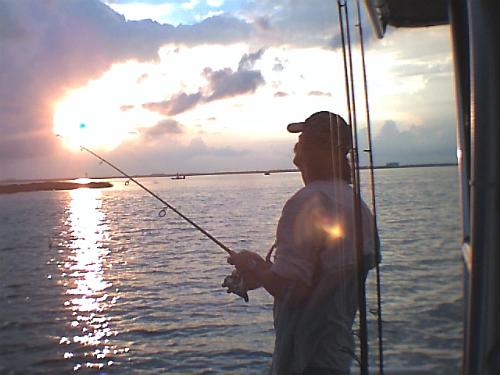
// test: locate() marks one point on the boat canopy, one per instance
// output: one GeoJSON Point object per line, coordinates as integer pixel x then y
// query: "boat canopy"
{"type": "Point", "coordinates": [406, 13]}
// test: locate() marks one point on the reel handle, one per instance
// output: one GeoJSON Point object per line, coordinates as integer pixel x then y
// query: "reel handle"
{"type": "Point", "coordinates": [236, 284]}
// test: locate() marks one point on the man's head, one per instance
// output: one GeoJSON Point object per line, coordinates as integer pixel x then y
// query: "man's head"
{"type": "Point", "coordinates": [324, 141]}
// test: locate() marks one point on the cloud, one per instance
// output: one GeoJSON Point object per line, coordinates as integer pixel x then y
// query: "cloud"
{"type": "Point", "coordinates": [30, 144]}
{"type": "Point", "coordinates": [51, 46]}
{"type": "Point", "coordinates": [127, 107]}
{"type": "Point", "coordinates": [197, 147]}
{"type": "Point", "coordinates": [226, 83]}
{"type": "Point", "coordinates": [9, 29]}
{"type": "Point", "coordinates": [319, 93]}
{"type": "Point", "coordinates": [263, 23]}
{"type": "Point", "coordinates": [222, 83]}
{"type": "Point", "coordinates": [248, 60]}
{"type": "Point", "coordinates": [312, 23]}
{"type": "Point", "coordinates": [280, 94]}
{"type": "Point", "coordinates": [220, 29]}
{"type": "Point", "coordinates": [164, 127]}
{"type": "Point", "coordinates": [48, 47]}
{"type": "Point", "coordinates": [178, 103]}
{"type": "Point", "coordinates": [278, 66]}
{"type": "Point", "coordinates": [428, 143]}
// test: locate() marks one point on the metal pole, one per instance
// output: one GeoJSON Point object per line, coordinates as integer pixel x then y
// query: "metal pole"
{"type": "Point", "coordinates": [374, 205]}
{"type": "Point", "coordinates": [363, 336]}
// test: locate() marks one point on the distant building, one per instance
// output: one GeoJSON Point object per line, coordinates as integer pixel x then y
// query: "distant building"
{"type": "Point", "coordinates": [392, 165]}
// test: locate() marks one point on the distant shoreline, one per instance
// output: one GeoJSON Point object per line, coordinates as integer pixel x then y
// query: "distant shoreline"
{"type": "Point", "coordinates": [50, 186]}
{"type": "Point", "coordinates": [220, 173]}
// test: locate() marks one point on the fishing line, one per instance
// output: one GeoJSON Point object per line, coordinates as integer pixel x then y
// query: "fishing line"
{"type": "Point", "coordinates": [162, 212]}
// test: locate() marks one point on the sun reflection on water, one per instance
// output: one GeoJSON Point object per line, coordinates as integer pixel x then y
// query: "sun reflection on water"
{"type": "Point", "coordinates": [89, 292]}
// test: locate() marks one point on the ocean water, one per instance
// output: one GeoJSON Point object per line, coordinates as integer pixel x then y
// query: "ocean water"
{"type": "Point", "coordinates": [95, 282]}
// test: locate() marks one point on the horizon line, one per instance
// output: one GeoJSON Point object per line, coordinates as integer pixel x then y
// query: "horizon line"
{"type": "Point", "coordinates": [215, 173]}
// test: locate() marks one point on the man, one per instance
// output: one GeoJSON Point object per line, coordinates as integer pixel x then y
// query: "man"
{"type": "Point", "coordinates": [314, 276]}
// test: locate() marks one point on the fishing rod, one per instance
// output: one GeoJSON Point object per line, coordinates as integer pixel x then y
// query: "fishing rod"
{"type": "Point", "coordinates": [168, 205]}
{"type": "Point", "coordinates": [234, 282]}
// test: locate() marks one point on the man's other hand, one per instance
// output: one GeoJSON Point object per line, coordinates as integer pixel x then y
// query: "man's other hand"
{"type": "Point", "coordinates": [246, 260]}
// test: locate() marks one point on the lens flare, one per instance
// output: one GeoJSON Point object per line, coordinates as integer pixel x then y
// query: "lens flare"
{"type": "Point", "coordinates": [334, 231]}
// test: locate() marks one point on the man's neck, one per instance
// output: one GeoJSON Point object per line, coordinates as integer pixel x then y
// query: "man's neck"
{"type": "Point", "coordinates": [308, 177]}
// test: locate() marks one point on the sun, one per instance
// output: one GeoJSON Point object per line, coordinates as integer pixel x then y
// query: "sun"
{"type": "Point", "coordinates": [90, 121]}
{"type": "Point", "coordinates": [105, 112]}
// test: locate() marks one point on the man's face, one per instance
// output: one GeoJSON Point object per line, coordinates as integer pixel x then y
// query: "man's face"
{"type": "Point", "coordinates": [298, 153]}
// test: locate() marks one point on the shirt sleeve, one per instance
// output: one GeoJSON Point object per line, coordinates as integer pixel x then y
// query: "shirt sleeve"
{"type": "Point", "coordinates": [299, 238]}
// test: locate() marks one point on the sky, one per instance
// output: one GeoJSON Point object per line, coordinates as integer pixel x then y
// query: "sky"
{"type": "Point", "coordinates": [206, 85]}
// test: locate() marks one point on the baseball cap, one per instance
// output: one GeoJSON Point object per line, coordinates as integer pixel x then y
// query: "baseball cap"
{"type": "Point", "coordinates": [323, 129]}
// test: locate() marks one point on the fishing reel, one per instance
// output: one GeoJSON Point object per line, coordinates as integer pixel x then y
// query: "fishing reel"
{"type": "Point", "coordinates": [235, 283]}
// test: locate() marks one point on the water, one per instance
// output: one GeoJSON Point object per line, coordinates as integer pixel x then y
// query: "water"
{"type": "Point", "coordinates": [93, 281]}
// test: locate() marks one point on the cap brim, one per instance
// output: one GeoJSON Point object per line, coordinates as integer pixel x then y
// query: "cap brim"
{"type": "Point", "coordinates": [295, 127]}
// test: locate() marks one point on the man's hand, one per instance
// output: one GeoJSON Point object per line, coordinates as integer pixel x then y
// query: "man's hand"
{"type": "Point", "coordinates": [245, 260]}
{"type": "Point", "coordinates": [249, 265]}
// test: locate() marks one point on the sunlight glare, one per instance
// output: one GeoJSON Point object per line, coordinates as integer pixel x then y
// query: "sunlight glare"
{"type": "Point", "coordinates": [87, 283]}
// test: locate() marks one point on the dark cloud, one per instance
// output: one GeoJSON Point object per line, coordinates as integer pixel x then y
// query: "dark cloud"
{"type": "Point", "coordinates": [178, 103]}
{"type": "Point", "coordinates": [248, 60]}
{"type": "Point", "coordinates": [225, 83]}
{"type": "Point", "coordinates": [278, 67]}
{"type": "Point", "coordinates": [319, 93]}
{"type": "Point", "coordinates": [263, 23]}
{"type": "Point", "coordinates": [164, 127]}
{"type": "Point", "coordinates": [280, 94]}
